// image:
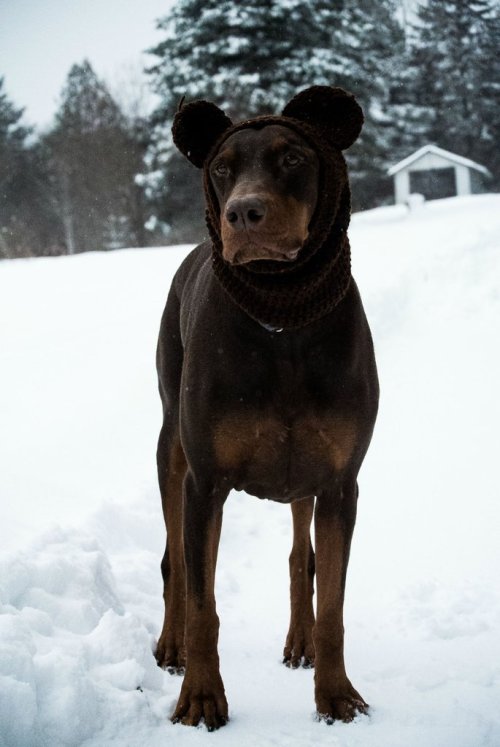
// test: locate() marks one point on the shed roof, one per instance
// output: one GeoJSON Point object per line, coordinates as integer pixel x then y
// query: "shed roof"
{"type": "Point", "coordinates": [453, 157]}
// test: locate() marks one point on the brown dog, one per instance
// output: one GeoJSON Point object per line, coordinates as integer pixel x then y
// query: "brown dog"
{"type": "Point", "coordinates": [268, 382]}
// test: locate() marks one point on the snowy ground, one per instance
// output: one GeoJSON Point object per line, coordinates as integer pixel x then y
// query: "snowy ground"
{"type": "Point", "coordinates": [82, 533]}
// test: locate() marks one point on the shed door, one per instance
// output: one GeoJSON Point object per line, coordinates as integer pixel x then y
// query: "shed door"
{"type": "Point", "coordinates": [434, 183]}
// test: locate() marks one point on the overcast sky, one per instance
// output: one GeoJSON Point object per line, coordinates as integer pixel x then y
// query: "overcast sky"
{"type": "Point", "coordinates": [41, 39]}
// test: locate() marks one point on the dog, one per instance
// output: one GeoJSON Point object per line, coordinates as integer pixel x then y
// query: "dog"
{"type": "Point", "coordinates": [268, 381]}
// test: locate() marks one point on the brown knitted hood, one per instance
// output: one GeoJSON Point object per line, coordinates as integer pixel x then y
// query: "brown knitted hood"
{"type": "Point", "coordinates": [295, 294]}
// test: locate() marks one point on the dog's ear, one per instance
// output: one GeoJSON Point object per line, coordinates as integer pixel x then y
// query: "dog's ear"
{"type": "Point", "coordinates": [332, 110]}
{"type": "Point", "coordinates": [196, 128]}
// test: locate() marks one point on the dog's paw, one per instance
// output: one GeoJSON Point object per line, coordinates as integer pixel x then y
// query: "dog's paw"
{"type": "Point", "coordinates": [202, 702]}
{"type": "Point", "coordinates": [344, 706]}
{"type": "Point", "coordinates": [299, 649]}
{"type": "Point", "coordinates": [294, 661]}
{"type": "Point", "coordinates": [170, 657]}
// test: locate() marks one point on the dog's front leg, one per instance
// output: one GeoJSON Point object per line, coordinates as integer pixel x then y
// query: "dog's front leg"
{"type": "Point", "coordinates": [202, 694]}
{"type": "Point", "coordinates": [334, 519]}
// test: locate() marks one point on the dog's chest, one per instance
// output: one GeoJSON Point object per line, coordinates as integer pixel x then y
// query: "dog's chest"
{"type": "Point", "coordinates": [263, 453]}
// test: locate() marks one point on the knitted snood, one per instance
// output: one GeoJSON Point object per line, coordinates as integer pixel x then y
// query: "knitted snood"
{"type": "Point", "coordinates": [282, 295]}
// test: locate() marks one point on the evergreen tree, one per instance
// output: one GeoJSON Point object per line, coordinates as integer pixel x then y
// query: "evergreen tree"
{"type": "Point", "coordinates": [246, 57]}
{"type": "Point", "coordinates": [363, 51]}
{"type": "Point", "coordinates": [12, 133]}
{"type": "Point", "coordinates": [28, 224]}
{"type": "Point", "coordinates": [252, 58]}
{"type": "Point", "coordinates": [12, 145]}
{"type": "Point", "coordinates": [455, 77]}
{"type": "Point", "coordinates": [94, 159]}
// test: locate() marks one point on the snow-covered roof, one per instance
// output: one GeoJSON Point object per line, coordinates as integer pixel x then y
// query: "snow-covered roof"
{"type": "Point", "coordinates": [437, 152]}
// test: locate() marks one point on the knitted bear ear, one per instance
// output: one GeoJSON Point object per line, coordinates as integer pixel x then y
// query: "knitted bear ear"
{"type": "Point", "coordinates": [196, 128]}
{"type": "Point", "coordinates": [334, 111]}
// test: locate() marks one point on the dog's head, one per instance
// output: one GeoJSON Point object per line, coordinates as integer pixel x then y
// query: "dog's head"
{"type": "Point", "coordinates": [265, 176]}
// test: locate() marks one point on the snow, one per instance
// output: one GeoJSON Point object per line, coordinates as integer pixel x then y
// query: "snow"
{"type": "Point", "coordinates": [82, 534]}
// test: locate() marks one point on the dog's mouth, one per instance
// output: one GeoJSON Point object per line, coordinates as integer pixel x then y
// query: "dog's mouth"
{"type": "Point", "coordinates": [256, 253]}
{"type": "Point", "coordinates": [263, 248]}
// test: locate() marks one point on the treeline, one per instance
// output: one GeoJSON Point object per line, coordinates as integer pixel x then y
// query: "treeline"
{"type": "Point", "coordinates": [102, 179]}
{"type": "Point", "coordinates": [77, 187]}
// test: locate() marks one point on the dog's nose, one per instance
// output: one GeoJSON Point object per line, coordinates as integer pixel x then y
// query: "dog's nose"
{"type": "Point", "coordinates": [245, 212]}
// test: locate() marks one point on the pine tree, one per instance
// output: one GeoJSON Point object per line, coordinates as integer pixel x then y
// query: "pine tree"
{"type": "Point", "coordinates": [12, 133]}
{"type": "Point", "coordinates": [455, 77]}
{"type": "Point", "coordinates": [246, 57]}
{"type": "Point", "coordinates": [12, 144]}
{"type": "Point", "coordinates": [95, 158]}
{"type": "Point", "coordinates": [488, 151]}
{"type": "Point", "coordinates": [28, 224]}
{"type": "Point", "coordinates": [252, 58]}
{"type": "Point", "coordinates": [364, 53]}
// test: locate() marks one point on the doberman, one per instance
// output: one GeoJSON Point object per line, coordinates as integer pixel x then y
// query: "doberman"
{"type": "Point", "coordinates": [282, 411]}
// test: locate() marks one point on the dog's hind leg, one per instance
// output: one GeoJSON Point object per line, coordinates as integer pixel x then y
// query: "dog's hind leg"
{"type": "Point", "coordinates": [170, 652]}
{"type": "Point", "coordinates": [299, 646]}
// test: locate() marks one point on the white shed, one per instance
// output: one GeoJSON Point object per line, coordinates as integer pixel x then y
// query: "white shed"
{"type": "Point", "coordinates": [434, 173]}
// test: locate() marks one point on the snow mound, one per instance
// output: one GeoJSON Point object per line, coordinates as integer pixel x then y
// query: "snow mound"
{"type": "Point", "coordinates": [69, 653]}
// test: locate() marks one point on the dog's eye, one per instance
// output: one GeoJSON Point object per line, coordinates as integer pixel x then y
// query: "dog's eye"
{"type": "Point", "coordinates": [220, 169]}
{"type": "Point", "coordinates": [292, 159]}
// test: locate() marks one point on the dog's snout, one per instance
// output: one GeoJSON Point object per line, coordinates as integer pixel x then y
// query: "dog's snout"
{"type": "Point", "coordinates": [245, 212]}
